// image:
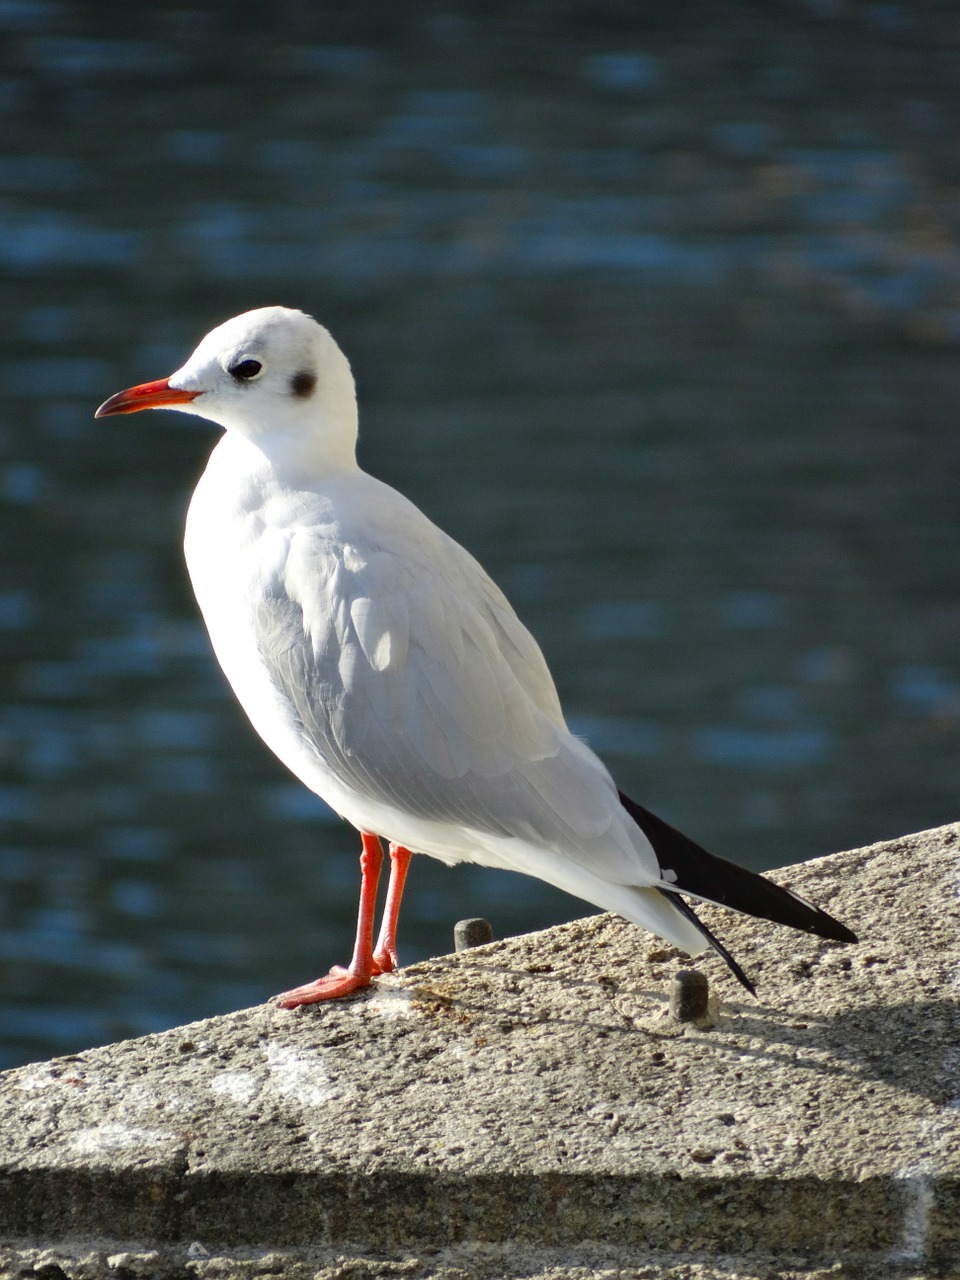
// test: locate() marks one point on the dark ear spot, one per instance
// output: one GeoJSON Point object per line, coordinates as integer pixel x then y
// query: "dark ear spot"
{"type": "Point", "coordinates": [302, 384]}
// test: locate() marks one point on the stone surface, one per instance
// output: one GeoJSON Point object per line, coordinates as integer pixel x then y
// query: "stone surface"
{"type": "Point", "coordinates": [511, 1106]}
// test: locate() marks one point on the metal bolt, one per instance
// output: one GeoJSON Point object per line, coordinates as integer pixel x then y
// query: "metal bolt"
{"type": "Point", "coordinates": [689, 995]}
{"type": "Point", "coordinates": [472, 933]}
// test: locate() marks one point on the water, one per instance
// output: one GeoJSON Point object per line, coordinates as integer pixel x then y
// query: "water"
{"type": "Point", "coordinates": [658, 316]}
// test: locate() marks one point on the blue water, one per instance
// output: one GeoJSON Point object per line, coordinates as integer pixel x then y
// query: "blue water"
{"type": "Point", "coordinates": [659, 318]}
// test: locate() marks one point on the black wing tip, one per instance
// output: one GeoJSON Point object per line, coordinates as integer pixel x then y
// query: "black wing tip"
{"type": "Point", "coordinates": [831, 930]}
{"type": "Point", "coordinates": [710, 878]}
{"type": "Point", "coordinates": [817, 920]}
{"type": "Point", "coordinates": [734, 967]}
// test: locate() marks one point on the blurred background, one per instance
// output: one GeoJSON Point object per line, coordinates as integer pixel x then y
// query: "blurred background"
{"type": "Point", "coordinates": [656, 307]}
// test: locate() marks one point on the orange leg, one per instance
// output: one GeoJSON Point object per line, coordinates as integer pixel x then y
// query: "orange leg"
{"type": "Point", "coordinates": [341, 982]}
{"type": "Point", "coordinates": [385, 952]}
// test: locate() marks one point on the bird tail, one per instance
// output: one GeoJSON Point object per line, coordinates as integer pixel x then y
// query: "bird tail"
{"type": "Point", "coordinates": [688, 868]}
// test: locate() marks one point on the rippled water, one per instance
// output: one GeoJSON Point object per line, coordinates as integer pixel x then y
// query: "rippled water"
{"type": "Point", "coordinates": [661, 318]}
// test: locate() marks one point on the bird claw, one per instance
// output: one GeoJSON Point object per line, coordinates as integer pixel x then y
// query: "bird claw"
{"type": "Point", "coordinates": [381, 964]}
{"type": "Point", "coordinates": [337, 983]}
{"type": "Point", "coordinates": [384, 962]}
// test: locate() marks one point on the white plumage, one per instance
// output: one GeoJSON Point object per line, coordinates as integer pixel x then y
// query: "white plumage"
{"type": "Point", "coordinates": [375, 656]}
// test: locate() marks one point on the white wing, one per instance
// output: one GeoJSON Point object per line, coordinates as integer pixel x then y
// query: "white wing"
{"type": "Point", "coordinates": [416, 683]}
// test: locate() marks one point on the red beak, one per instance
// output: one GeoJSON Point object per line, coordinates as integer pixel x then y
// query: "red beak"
{"type": "Point", "coordinates": [148, 395]}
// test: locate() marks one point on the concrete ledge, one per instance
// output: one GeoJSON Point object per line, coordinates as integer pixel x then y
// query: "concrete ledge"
{"type": "Point", "coordinates": [527, 1100]}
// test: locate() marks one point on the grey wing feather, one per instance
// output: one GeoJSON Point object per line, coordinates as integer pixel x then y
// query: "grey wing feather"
{"type": "Point", "coordinates": [416, 683]}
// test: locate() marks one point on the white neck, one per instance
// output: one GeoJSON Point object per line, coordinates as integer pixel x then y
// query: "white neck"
{"type": "Point", "coordinates": [300, 453]}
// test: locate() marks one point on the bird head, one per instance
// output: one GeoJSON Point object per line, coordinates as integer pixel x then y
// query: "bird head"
{"type": "Point", "coordinates": [267, 373]}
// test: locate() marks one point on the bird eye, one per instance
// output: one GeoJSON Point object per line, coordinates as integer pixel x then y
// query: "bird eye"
{"type": "Point", "coordinates": [245, 370]}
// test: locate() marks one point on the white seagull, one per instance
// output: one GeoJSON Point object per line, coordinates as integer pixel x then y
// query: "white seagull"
{"type": "Point", "coordinates": [387, 671]}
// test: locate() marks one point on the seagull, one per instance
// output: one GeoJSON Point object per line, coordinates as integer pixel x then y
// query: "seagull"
{"type": "Point", "coordinates": [389, 673]}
